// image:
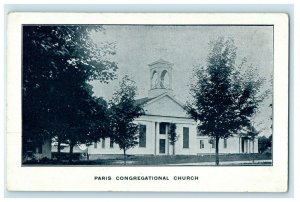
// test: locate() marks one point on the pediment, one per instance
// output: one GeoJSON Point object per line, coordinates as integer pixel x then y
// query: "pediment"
{"type": "Point", "coordinates": [165, 105]}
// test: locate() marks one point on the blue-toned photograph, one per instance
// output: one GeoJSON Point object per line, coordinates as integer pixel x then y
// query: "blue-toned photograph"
{"type": "Point", "coordinates": [147, 95]}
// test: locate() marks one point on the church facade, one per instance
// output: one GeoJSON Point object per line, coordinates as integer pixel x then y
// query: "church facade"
{"type": "Point", "coordinates": [161, 110]}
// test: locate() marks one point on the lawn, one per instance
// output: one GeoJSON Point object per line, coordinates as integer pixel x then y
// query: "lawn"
{"type": "Point", "coordinates": [151, 160]}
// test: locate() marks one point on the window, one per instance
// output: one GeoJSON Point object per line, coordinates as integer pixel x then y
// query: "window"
{"type": "Point", "coordinates": [103, 143]}
{"type": "Point", "coordinates": [155, 81]}
{"type": "Point", "coordinates": [225, 143]}
{"type": "Point", "coordinates": [142, 136]}
{"type": "Point", "coordinates": [185, 137]}
{"type": "Point", "coordinates": [95, 145]}
{"type": "Point", "coordinates": [201, 144]}
{"type": "Point", "coordinates": [213, 145]}
{"type": "Point", "coordinates": [162, 128]}
{"type": "Point", "coordinates": [165, 79]}
{"type": "Point", "coordinates": [162, 146]}
{"type": "Point", "coordinates": [111, 143]}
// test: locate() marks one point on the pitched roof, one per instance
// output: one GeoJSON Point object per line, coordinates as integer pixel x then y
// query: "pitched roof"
{"type": "Point", "coordinates": [146, 100]}
{"type": "Point", "coordinates": [143, 101]}
{"type": "Point", "coordinates": [160, 61]}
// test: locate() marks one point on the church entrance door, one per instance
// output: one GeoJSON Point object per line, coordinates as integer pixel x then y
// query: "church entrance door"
{"type": "Point", "coordinates": [162, 146]}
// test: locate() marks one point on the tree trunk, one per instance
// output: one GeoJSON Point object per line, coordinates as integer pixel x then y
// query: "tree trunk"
{"type": "Point", "coordinates": [217, 151]}
{"type": "Point", "coordinates": [58, 150]}
{"type": "Point", "coordinates": [124, 150]}
{"type": "Point", "coordinates": [174, 149]}
{"type": "Point", "coordinates": [71, 153]}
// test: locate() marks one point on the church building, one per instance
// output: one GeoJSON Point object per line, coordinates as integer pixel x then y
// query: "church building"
{"type": "Point", "coordinates": [161, 110]}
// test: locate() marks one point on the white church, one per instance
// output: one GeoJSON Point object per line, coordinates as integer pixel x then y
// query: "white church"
{"type": "Point", "coordinates": [162, 108]}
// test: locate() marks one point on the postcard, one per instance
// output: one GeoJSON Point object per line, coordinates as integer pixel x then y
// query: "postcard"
{"type": "Point", "coordinates": [165, 102]}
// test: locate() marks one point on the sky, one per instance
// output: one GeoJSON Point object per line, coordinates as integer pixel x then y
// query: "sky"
{"type": "Point", "coordinates": [184, 46]}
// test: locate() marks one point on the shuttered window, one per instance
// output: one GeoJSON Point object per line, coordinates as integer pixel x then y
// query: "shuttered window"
{"type": "Point", "coordinates": [201, 144]}
{"type": "Point", "coordinates": [213, 144]}
{"type": "Point", "coordinates": [225, 143]}
{"type": "Point", "coordinates": [142, 136]}
{"type": "Point", "coordinates": [111, 143]}
{"type": "Point", "coordinates": [162, 128]}
{"type": "Point", "coordinates": [186, 137]}
{"type": "Point", "coordinates": [103, 143]}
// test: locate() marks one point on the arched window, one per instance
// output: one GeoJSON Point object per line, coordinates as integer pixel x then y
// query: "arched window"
{"type": "Point", "coordinates": [165, 79]}
{"type": "Point", "coordinates": [154, 80]}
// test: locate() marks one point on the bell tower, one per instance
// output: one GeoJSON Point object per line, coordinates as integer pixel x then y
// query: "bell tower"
{"type": "Point", "coordinates": [160, 78]}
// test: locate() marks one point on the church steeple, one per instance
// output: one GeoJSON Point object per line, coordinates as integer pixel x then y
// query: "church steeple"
{"type": "Point", "coordinates": [160, 78]}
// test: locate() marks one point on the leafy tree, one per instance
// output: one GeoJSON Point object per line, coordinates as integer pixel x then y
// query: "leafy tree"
{"type": "Point", "coordinates": [173, 136]}
{"type": "Point", "coordinates": [58, 61]}
{"type": "Point", "coordinates": [223, 97]}
{"type": "Point", "coordinates": [264, 143]}
{"type": "Point", "coordinates": [271, 144]}
{"type": "Point", "coordinates": [124, 111]}
{"type": "Point", "coordinates": [90, 124]}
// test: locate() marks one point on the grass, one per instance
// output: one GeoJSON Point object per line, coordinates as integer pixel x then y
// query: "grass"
{"type": "Point", "coordinates": [181, 159]}
{"type": "Point", "coordinates": [162, 160]}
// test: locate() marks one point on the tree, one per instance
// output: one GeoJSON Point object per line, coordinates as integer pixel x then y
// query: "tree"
{"type": "Point", "coordinates": [124, 111]}
{"type": "Point", "coordinates": [173, 136]}
{"type": "Point", "coordinates": [58, 61]}
{"type": "Point", "coordinates": [90, 124]}
{"type": "Point", "coordinates": [264, 144]}
{"type": "Point", "coordinates": [223, 97]}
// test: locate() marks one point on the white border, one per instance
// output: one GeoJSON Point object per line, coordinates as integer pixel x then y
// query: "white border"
{"type": "Point", "coordinates": [217, 179]}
